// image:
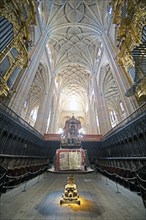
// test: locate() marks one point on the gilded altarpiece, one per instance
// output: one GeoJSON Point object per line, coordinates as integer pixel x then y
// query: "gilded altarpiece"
{"type": "Point", "coordinates": [130, 19]}
{"type": "Point", "coordinates": [19, 16]}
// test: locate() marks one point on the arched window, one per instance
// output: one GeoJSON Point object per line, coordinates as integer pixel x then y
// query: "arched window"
{"type": "Point", "coordinates": [110, 9]}
{"type": "Point", "coordinates": [33, 116]}
{"type": "Point", "coordinates": [113, 118]}
{"type": "Point", "coordinates": [122, 107]}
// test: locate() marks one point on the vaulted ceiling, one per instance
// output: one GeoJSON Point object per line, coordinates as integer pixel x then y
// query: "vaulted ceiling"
{"type": "Point", "coordinates": [74, 32]}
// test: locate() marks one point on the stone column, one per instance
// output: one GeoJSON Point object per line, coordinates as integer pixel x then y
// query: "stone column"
{"type": "Point", "coordinates": [88, 117]}
{"type": "Point", "coordinates": [129, 104]}
{"type": "Point", "coordinates": [91, 111]}
{"type": "Point", "coordinates": [26, 80]}
{"type": "Point", "coordinates": [52, 109]}
{"type": "Point", "coordinates": [103, 114]}
{"type": "Point", "coordinates": [93, 119]}
{"type": "Point", "coordinates": [54, 123]}
{"type": "Point", "coordinates": [40, 114]}
{"type": "Point", "coordinates": [50, 123]}
{"type": "Point", "coordinates": [44, 109]}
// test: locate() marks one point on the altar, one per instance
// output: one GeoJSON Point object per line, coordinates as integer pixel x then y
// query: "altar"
{"type": "Point", "coordinates": [70, 159]}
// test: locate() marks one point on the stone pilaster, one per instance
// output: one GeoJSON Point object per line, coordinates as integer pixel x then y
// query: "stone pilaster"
{"type": "Point", "coordinates": [26, 80]}
{"type": "Point", "coordinates": [129, 104]}
{"type": "Point", "coordinates": [103, 114]}
{"type": "Point", "coordinates": [47, 107]}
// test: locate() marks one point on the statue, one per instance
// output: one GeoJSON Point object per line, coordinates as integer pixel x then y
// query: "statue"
{"type": "Point", "coordinates": [70, 192]}
{"type": "Point", "coordinates": [71, 130]}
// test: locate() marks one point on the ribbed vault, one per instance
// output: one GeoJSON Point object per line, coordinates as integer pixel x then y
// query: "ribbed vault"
{"type": "Point", "coordinates": [73, 83]}
{"type": "Point", "coordinates": [74, 30]}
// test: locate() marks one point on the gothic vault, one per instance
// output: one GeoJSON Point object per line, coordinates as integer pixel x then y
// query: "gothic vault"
{"type": "Point", "coordinates": [64, 58]}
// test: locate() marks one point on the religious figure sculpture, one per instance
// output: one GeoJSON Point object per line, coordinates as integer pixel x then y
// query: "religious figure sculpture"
{"type": "Point", "coordinates": [70, 192]}
{"type": "Point", "coordinates": [71, 130]}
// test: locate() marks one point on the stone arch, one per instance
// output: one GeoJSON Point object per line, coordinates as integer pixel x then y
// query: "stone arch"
{"type": "Point", "coordinates": [38, 89]}
{"type": "Point", "coordinates": [108, 88]}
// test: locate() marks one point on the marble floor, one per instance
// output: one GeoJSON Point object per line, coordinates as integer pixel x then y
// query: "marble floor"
{"type": "Point", "coordinates": [100, 199]}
